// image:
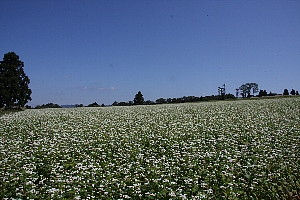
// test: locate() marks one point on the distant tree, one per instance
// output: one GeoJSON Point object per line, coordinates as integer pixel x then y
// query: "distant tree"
{"type": "Point", "coordinates": [297, 93]}
{"type": "Point", "coordinates": [138, 99]}
{"type": "Point", "coordinates": [123, 104]}
{"type": "Point", "coordinates": [161, 101]}
{"type": "Point", "coordinates": [243, 90]}
{"type": "Point", "coordinates": [51, 105]}
{"type": "Point", "coordinates": [79, 105]}
{"type": "Point", "coordinates": [48, 105]}
{"type": "Point", "coordinates": [95, 104]}
{"type": "Point", "coordinates": [272, 94]}
{"type": "Point", "coordinates": [262, 93]}
{"type": "Point", "coordinates": [169, 100]}
{"type": "Point", "coordinates": [174, 100]}
{"type": "Point", "coordinates": [149, 102]}
{"type": "Point", "coordinates": [285, 92]}
{"type": "Point", "coordinates": [229, 96]}
{"type": "Point", "coordinates": [14, 90]}
{"type": "Point", "coordinates": [254, 87]}
{"type": "Point", "coordinates": [115, 103]}
{"type": "Point", "coordinates": [265, 93]}
{"type": "Point", "coordinates": [293, 92]}
{"type": "Point", "coordinates": [246, 89]}
{"type": "Point", "coordinates": [37, 107]}
{"type": "Point", "coordinates": [102, 105]}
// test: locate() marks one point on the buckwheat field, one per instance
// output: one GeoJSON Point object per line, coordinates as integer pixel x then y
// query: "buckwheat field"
{"type": "Point", "coordinates": [248, 149]}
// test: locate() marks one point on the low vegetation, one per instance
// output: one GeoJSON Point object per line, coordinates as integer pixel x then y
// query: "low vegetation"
{"type": "Point", "coordinates": [210, 150]}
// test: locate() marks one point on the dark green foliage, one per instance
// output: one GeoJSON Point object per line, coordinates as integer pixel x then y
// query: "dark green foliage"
{"type": "Point", "coordinates": [95, 104]}
{"type": "Point", "coordinates": [229, 96]}
{"type": "Point", "coordinates": [139, 99]}
{"type": "Point", "coordinates": [285, 92]}
{"type": "Point", "coordinates": [293, 92]}
{"type": "Point", "coordinates": [262, 93]}
{"type": "Point", "coordinates": [246, 89]}
{"type": "Point", "coordinates": [14, 90]}
{"type": "Point", "coordinates": [48, 105]}
{"type": "Point", "coordinates": [149, 102]}
{"type": "Point", "coordinates": [160, 101]}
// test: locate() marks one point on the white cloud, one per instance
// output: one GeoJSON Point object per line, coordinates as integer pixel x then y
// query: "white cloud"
{"type": "Point", "coordinates": [112, 88]}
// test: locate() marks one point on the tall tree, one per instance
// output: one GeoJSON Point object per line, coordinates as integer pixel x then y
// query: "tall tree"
{"type": "Point", "coordinates": [293, 92]}
{"type": "Point", "coordinates": [139, 99]}
{"type": "Point", "coordinates": [285, 92]}
{"type": "Point", "coordinates": [244, 90]}
{"type": "Point", "coordinates": [14, 90]}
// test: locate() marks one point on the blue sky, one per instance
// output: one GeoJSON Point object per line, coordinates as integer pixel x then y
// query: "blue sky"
{"type": "Point", "coordinates": [108, 50]}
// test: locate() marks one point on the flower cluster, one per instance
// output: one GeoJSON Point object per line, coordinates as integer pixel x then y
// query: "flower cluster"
{"type": "Point", "coordinates": [222, 150]}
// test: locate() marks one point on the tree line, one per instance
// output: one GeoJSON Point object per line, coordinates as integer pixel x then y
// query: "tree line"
{"type": "Point", "coordinates": [139, 99]}
{"type": "Point", "coordinates": [15, 93]}
{"type": "Point", "coordinates": [246, 89]}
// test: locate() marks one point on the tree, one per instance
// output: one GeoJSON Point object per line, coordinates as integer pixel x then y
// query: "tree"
{"type": "Point", "coordinates": [285, 92]}
{"type": "Point", "coordinates": [139, 99]}
{"type": "Point", "coordinates": [229, 96]}
{"type": "Point", "coordinates": [95, 104]}
{"type": "Point", "coordinates": [246, 89]}
{"type": "Point", "coordinates": [161, 101]}
{"type": "Point", "coordinates": [297, 93]}
{"type": "Point", "coordinates": [254, 87]}
{"type": "Point", "coordinates": [14, 90]}
{"type": "Point", "coordinates": [293, 92]}
{"type": "Point", "coordinates": [149, 102]}
{"type": "Point", "coordinates": [48, 105]}
{"type": "Point", "coordinates": [262, 93]}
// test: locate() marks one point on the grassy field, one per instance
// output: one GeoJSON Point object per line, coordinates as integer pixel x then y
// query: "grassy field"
{"type": "Point", "coordinates": [211, 150]}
